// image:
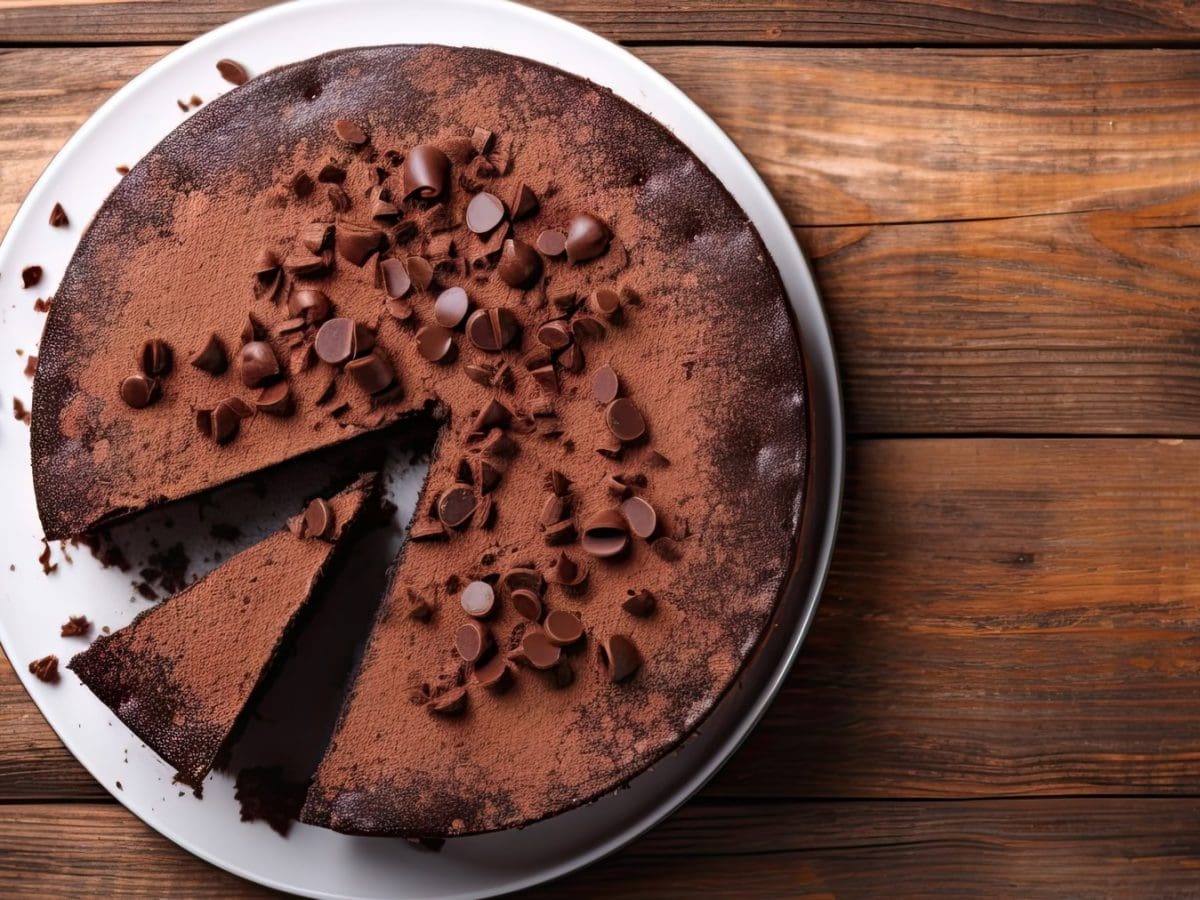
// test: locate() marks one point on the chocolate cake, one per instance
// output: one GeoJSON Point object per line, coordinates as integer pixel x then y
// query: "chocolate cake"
{"type": "Point", "coordinates": [375, 234]}
{"type": "Point", "coordinates": [181, 674]}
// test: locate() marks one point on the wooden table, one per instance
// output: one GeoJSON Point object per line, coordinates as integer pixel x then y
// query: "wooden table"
{"type": "Point", "coordinates": [1001, 692]}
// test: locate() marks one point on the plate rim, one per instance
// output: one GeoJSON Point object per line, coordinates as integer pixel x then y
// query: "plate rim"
{"type": "Point", "coordinates": [824, 400]}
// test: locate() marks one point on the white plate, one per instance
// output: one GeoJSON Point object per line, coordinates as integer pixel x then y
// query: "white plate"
{"type": "Point", "coordinates": [312, 861]}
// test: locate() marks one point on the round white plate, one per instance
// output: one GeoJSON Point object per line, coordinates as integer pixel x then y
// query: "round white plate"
{"type": "Point", "coordinates": [312, 861]}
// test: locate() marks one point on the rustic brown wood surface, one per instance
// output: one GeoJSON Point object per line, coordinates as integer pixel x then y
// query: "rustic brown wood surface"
{"type": "Point", "coordinates": [999, 693]}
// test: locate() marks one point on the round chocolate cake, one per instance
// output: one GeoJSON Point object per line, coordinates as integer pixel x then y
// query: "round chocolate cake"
{"type": "Point", "coordinates": [612, 505]}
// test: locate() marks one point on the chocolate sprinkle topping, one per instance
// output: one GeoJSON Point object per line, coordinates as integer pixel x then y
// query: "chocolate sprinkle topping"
{"type": "Point", "coordinates": [456, 505]}
{"type": "Point", "coordinates": [477, 599]}
{"type": "Point", "coordinates": [587, 238]}
{"type": "Point", "coordinates": [318, 519]}
{"type": "Point", "coordinates": [138, 391]}
{"type": "Point", "coordinates": [619, 657]}
{"type": "Point", "coordinates": [520, 266]}
{"type": "Point", "coordinates": [233, 72]}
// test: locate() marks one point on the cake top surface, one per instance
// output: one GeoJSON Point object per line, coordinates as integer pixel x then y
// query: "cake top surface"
{"type": "Point", "coordinates": [651, 372]}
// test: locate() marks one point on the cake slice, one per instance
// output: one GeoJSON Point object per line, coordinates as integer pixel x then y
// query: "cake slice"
{"type": "Point", "coordinates": [181, 674]}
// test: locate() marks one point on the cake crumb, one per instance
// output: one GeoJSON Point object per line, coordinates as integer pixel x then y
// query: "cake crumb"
{"type": "Point", "coordinates": [122, 170]}
{"type": "Point", "coordinates": [31, 366]}
{"type": "Point", "coordinates": [44, 558]}
{"type": "Point", "coordinates": [263, 794]}
{"type": "Point", "coordinates": [42, 306]}
{"type": "Point", "coordinates": [30, 276]}
{"type": "Point", "coordinates": [58, 217]}
{"type": "Point", "coordinates": [76, 626]}
{"type": "Point", "coordinates": [45, 669]}
{"type": "Point", "coordinates": [20, 413]}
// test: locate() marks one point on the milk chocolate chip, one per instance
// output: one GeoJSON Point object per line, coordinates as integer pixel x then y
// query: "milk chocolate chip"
{"type": "Point", "coordinates": [318, 518]}
{"type": "Point", "coordinates": [625, 420]}
{"type": "Point", "coordinates": [309, 304]}
{"type": "Point", "coordinates": [587, 238]}
{"type": "Point", "coordinates": [156, 357]}
{"type": "Point", "coordinates": [456, 505]}
{"type": "Point", "coordinates": [527, 604]}
{"type": "Point", "coordinates": [395, 278]}
{"type": "Point", "coordinates": [451, 307]}
{"type": "Point", "coordinates": [258, 363]}
{"type": "Point", "coordinates": [138, 391]}
{"type": "Point", "coordinates": [372, 373]}
{"type": "Point", "coordinates": [520, 266]}
{"type": "Point", "coordinates": [538, 651]}
{"type": "Point", "coordinates": [554, 335]}
{"type": "Point", "coordinates": [335, 341]}
{"type": "Point", "coordinates": [349, 132]}
{"type": "Point", "coordinates": [563, 628]}
{"type": "Point", "coordinates": [472, 641]}
{"type": "Point", "coordinates": [233, 72]}
{"type": "Point", "coordinates": [551, 242]}
{"type": "Point", "coordinates": [640, 515]}
{"type": "Point", "coordinates": [484, 212]}
{"type": "Point", "coordinates": [605, 385]}
{"type": "Point", "coordinates": [619, 657]}
{"type": "Point", "coordinates": [605, 534]}
{"type": "Point", "coordinates": [492, 330]}
{"type": "Point", "coordinates": [357, 244]}
{"type": "Point", "coordinates": [435, 343]}
{"type": "Point", "coordinates": [275, 400]}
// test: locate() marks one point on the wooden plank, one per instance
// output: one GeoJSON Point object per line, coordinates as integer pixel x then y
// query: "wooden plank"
{"type": "Point", "coordinates": [1064, 323]}
{"type": "Point", "coordinates": [1024, 22]}
{"type": "Point", "coordinates": [1098, 847]}
{"type": "Point", "coordinates": [843, 137]}
{"type": "Point", "coordinates": [34, 764]}
{"type": "Point", "coordinates": [1081, 323]}
{"type": "Point", "coordinates": [1004, 617]}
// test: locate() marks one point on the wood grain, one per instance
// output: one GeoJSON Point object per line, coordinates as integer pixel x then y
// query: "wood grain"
{"type": "Point", "coordinates": [1024, 22]}
{"type": "Point", "coordinates": [1064, 323]}
{"type": "Point", "coordinates": [991, 848]}
{"type": "Point", "coordinates": [844, 137]}
{"type": "Point", "coordinates": [1004, 617]}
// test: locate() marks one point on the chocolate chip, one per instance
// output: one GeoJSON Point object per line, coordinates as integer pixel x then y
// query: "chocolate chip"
{"type": "Point", "coordinates": [571, 359]}
{"type": "Point", "coordinates": [527, 604]}
{"type": "Point", "coordinates": [606, 302]}
{"type": "Point", "coordinates": [657, 459]}
{"type": "Point", "coordinates": [605, 385]}
{"type": "Point", "coordinates": [258, 363]}
{"type": "Point", "coordinates": [485, 473]}
{"type": "Point", "coordinates": [640, 515]}
{"type": "Point", "coordinates": [566, 571]}
{"type": "Point", "coordinates": [400, 310]}
{"type": "Point", "coordinates": [310, 305]}
{"type": "Point", "coordinates": [30, 276]}
{"type": "Point", "coordinates": [420, 271]}
{"type": "Point", "coordinates": [617, 487]}
{"type": "Point", "coordinates": [335, 342]}
{"type": "Point", "coordinates": [429, 530]}
{"type": "Point", "coordinates": [554, 335]}
{"type": "Point", "coordinates": [560, 533]}
{"type": "Point", "coordinates": [451, 703]}
{"type": "Point", "coordinates": [562, 628]}
{"type": "Point", "coordinates": [559, 483]}
{"type": "Point", "coordinates": [318, 519]}
{"type": "Point", "coordinates": [551, 242]}
{"type": "Point", "coordinates": [639, 603]}
{"type": "Point", "coordinates": [302, 185]}
{"type": "Point", "coordinates": [546, 378]}
{"type": "Point", "coordinates": [492, 329]}
{"type": "Point", "coordinates": [456, 505]}
{"type": "Point", "coordinates": [538, 651]}
{"type": "Point", "coordinates": [315, 235]}
{"type": "Point", "coordinates": [339, 200]}
{"type": "Point", "coordinates": [58, 217]}
{"type": "Point", "coordinates": [426, 171]}
{"type": "Point", "coordinates": [493, 415]}
{"type": "Point", "coordinates": [619, 657]}
{"type": "Point", "coordinates": [331, 174]}
{"type": "Point", "coordinates": [587, 238]}
{"type": "Point", "coordinates": [156, 357]}
{"type": "Point", "coordinates": [524, 203]}
{"type": "Point", "coordinates": [349, 132]}
{"type": "Point", "coordinates": [233, 72]}
{"type": "Point", "coordinates": [494, 674]}
{"type": "Point", "coordinates": [564, 300]}
{"type": "Point", "coordinates": [138, 391]}
{"type": "Point", "coordinates": [372, 373]}
{"type": "Point", "coordinates": [477, 599]}
{"type": "Point", "coordinates": [472, 640]}
{"type": "Point", "coordinates": [395, 278]}
{"type": "Point", "coordinates": [482, 140]}
{"type": "Point", "coordinates": [435, 343]}
{"type": "Point", "coordinates": [520, 266]}
{"type": "Point", "coordinates": [275, 400]}
{"type": "Point", "coordinates": [554, 510]}
{"type": "Point", "coordinates": [484, 212]}
{"type": "Point", "coordinates": [302, 263]}
{"type": "Point", "coordinates": [357, 244]}
{"type": "Point", "coordinates": [625, 421]}
{"type": "Point", "coordinates": [224, 420]}
{"type": "Point", "coordinates": [586, 328]}
{"type": "Point", "coordinates": [451, 307]}
{"type": "Point", "coordinates": [605, 534]}
{"type": "Point", "coordinates": [611, 450]}
{"type": "Point", "coordinates": [497, 443]}
{"type": "Point", "coordinates": [382, 207]}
